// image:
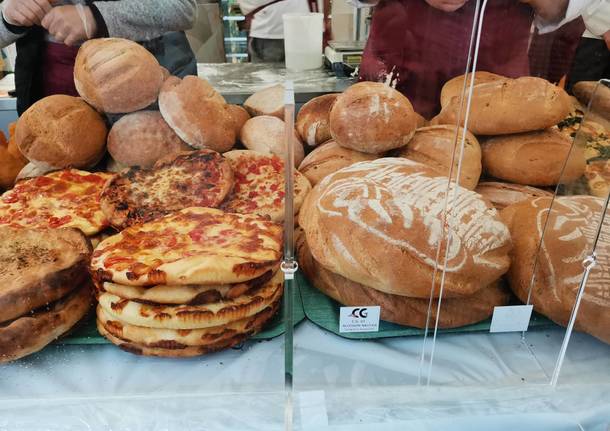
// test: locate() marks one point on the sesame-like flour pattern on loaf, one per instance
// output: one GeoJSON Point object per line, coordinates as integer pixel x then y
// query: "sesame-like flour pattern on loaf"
{"type": "Point", "coordinates": [572, 228]}
{"type": "Point", "coordinates": [379, 194]}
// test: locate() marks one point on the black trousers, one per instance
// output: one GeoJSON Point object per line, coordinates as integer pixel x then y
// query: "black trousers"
{"type": "Point", "coordinates": [266, 50]}
{"type": "Point", "coordinates": [591, 63]}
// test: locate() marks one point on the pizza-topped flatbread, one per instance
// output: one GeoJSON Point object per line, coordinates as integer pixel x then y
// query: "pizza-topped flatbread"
{"type": "Point", "coordinates": [193, 246]}
{"type": "Point", "coordinates": [259, 185]}
{"type": "Point", "coordinates": [195, 179]}
{"type": "Point", "coordinates": [67, 198]}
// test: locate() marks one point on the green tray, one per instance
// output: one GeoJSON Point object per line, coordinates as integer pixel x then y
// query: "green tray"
{"type": "Point", "coordinates": [324, 312]}
{"type": "Point", "coordinates": [86, 333]}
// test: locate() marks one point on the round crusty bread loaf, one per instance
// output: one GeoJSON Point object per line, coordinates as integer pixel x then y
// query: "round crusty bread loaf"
{"type": "Point", "coordinates": [328, 158]}
{"type": "Point", "coordinates": [269, 101]}
{"type": "Point", "coordinates": [502, 195]}
{"type": "Point", "coordinates": [142, 138]}
{"type": "Point", "coordinates": [265, 134]}
{"type": "Point", "coordinates": [117, 76]}
{"type": "Point", "coordinates": [380, 223]}
{"type": "Point", "coordinates": [239, 115]}
{"type": "Point", "coordinates": [197, 113]}
{"type": "Point", "coordinates": [534, 158]}
{"type": "Point", "coordinates": [61, 131]}
{"type": "Point", "coordinates": [502, 107]}
{"type": "Point", "coordinates": [571, 225]}
{"type": "Point", "coordinates": [313, 120]}
{"type": "Point", "coordinates": [455, 312]}
{"type": "Point", "coordinates": [598, 95]}
{"type": "Point", "coordinates": [373, 118]}
{"type": "Point", "coordinates": [434, 146]}
{"type": "Point", "coordinates": [453, 87]}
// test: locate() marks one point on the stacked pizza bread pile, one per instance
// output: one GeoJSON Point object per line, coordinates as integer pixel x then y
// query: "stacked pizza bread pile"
{"type": "Point", "coordinates": [189, 283]}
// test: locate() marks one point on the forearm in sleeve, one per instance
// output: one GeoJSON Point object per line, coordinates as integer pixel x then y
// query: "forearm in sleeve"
{"type": "Point", "coordinates": [10, 33]}
{"type": "Point", "coordinates": [143, 20]}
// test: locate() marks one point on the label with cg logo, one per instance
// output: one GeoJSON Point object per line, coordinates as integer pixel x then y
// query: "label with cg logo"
{"type": "Point", "coordinates": [364, 318]}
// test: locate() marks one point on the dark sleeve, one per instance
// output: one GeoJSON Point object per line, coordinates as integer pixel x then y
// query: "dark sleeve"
{"type": "Point", "coordinates": [102, 28]}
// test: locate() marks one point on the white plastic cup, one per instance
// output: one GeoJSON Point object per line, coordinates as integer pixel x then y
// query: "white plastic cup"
{"type": "Point", "coordinates": [303, 40]}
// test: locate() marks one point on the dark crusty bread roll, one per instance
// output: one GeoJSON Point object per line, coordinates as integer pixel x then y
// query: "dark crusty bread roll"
{"type": "Point", "coordinates": [61, 131]}
{"type": "Point", "coordinates": [534, 158]}
{"type": "Point", "coordinates": [265, 134]}
{"type": "Point", "coordinates": [502, 107]}
{"type": "Point", "coordinates": [142, 138]}
{"type": "Point", "coordinates": [455, 312]}
{"type": "Point", "coordinates": [434, 146]}
{"type": "Point", "coordinates": [197, 113]}
{"type": "Point", "coordinates": [117, 76]}
{"type": "Point", "coordinates": [502, 195]}
{"type": "Point", "coordinates": [380, 223]}
{"type": "Point", "coordinates": [453, 87]}
{"type": "Point", "coordinates": [269, 101]}
{"type": "Point", "coordinates": [598, 95]}
{"type": "Point", "coordinates": [571, 224]}
{"type": "Point", "coordinates": [328, 158]}
{"type": "Point", "coordinates": [373, 118]}
{"type": "Point", "coordinates": [313, 120]}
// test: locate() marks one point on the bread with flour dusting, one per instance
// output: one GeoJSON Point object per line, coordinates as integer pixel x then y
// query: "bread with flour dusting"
{"type": "Point", "coordinates": [571, 225]}
{"type": "Point", "coordinates": [373, 118]}
{"type": "Point", "coordinates": [380, 223]}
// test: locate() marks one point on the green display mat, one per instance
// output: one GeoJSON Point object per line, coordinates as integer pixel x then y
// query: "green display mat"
{"type": "Point", "coordinates": [324, 312]}
{"type": "Point", "coordinates": [86, 332]}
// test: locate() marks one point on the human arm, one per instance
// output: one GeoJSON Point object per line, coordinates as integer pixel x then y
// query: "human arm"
{"type": "Point", "coordinates": [18, 16]}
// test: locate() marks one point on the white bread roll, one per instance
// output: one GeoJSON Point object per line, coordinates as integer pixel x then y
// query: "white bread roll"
{"type": "Point", "coordinates": [571, 225]}
{"type": "Point", "coordinates": [61, 131]}
{"type": "Point", "coordinates": [380, 223]}
{"type": "Point", "coordinates": [502, 195]}
{"type": "Point", "coordinates": [453, 87]}
{"type": "Point", "coordinates": [269, 101]}
{"type": "Point", "coordinates": [142, 138]}
{"type": "Point", "coordinates": [327, 159]}
{"type": "Point", "coordinates": [265, 134]}
{"type": "Point", "coordinates": [117, 76]}
{"type": "Point", "coordinates": [197, 113]}
{"type": "Point", "coordinates": [503, 107]}
{"type": "Point", "coordinates": [534, 158]}
{"type": "Point", "coordinates": [434, 146]}
{"type": "Point", "coordinates": [313, 120]}
{"type": "Point", "coordinates": [373, 118]}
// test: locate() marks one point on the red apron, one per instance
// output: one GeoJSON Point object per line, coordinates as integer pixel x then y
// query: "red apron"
{"type": "Point", "coordinates": [58, 69]}
{"type": "Point", "coordinates": [425, 46]}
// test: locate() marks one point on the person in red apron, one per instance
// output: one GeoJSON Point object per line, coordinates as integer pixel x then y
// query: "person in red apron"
{"type": "Point", "coordinates": [421, 46]}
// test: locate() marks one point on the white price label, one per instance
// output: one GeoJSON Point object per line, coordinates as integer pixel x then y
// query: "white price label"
{"type": "Point", "coordinates": [359, 319]}
{"type": "Point", "coordinates": [511, 318]}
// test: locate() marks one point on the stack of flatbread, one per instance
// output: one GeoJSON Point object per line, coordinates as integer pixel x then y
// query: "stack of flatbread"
{"type": "Point", "coordinates": [45, 288]}
{"type": "Point", "coordinates": [190, 283]}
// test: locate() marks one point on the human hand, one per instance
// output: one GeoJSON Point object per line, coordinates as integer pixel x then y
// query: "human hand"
{"type": "Point", "coordinates": [25, 13]}
{"type": "Point", "coordinates": [447, 5]}
{"type": "Point", "coordinates": [606, 37]}
{"type": "Point", "coordinates": [548, 10]}
{"type": "Point", "coordinates": [66, 24]}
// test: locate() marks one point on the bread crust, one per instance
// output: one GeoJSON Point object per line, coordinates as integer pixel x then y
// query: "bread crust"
{"type": "Point", "coordinates": [265, 134]}
{"type": "Point", "coordinates": [453, 87]}
{"type": "Point", "coordinates": [313, 119]}
{"type": "Point", "coordinates": [373, 118]}
{"type": "Point", "coordinates": [379, 223]}
{"type": "Point", "coordinates": [502, 195]}
{"type": "Point", "coordinates": [269, 101]}
{"type": "Point", "coordinates": [533, 158]}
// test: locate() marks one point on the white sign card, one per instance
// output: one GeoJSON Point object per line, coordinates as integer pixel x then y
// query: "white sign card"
{"type": "Point", "coordinates": [511, 318]}
{"type": "Point", "coordinates": [364, 318]}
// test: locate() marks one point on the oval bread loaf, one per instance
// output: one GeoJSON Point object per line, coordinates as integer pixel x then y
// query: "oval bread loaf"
{"type": "Point", "coordinates": [502, 195]}
{"type": "Point", "coordinates": [313, 120]}
{"type": "Point", "coordinates": [453, 87]}
{"type": "Point", "coordinates": [269, 101]}
{"type": "Point", "coordinates": [265, 134]}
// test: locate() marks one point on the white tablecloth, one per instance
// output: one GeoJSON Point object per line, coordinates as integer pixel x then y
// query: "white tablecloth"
{"type": "Point", "coordinates": [479, 381]}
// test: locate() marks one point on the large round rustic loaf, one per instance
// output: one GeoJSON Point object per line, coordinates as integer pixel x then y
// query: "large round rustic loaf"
{"type": "Point", "coordinates": [313, 120]}
{"type": "Point", "coordinates": [197, 113]}
{"type": "Point", "coordinates": [502, 195]}
{"type": "Point", "coordinates": [327, 159]}
{"type": "Point", "coordinates": [269, 101]}
{"type": "Point", "coordinates": [453, 87]}
{"type": "Point", "coordinates": [455, 312]}
{"type": "Point", "coordinates": [434, 146]}
{"type": "Point", "coordinates": [142, 138]}
{"type": "Point", "coordinates": [117, 76]}
{"type": "Point", "coordinates": [373, 118]}
{"type": "Point", "coordinates": [265, 134]}
{"type": "Point", "coordinates": [380, 223]}
{"type": "Point", "coordinates": [502, 107]}
{"type": "Point", "coordinates": [61, 131]}
{"type": "Point", "coordinates": [571, 224]}
{"type": "Point", "coordinates": [534, 158]}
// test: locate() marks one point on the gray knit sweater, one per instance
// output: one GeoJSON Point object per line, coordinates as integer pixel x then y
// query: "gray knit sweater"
{"type": "Point", "coordinates": [137, 20]}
